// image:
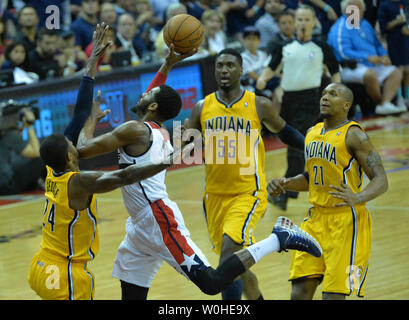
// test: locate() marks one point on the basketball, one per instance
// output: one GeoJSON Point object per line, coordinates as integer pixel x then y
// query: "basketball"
{"type": "Point", "coordinates": [184, 31]}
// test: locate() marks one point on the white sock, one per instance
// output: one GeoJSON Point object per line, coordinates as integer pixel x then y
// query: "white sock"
{"type": "Point", "coordinates": [264, 247]}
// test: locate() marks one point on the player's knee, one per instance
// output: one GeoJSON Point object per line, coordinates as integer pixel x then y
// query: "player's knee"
{"type": "Point", "coordinates": [304, 289]}
{"type": "Point", "coordinates": [209, 281]}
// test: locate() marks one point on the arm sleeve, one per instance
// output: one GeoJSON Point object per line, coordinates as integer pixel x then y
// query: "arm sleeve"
{"type": "Point", "coordinates": [292, 137]}
{"type": "Point", "coordinates": [159, 79]}
{"type": "Point", "coordinates": [82, 109]}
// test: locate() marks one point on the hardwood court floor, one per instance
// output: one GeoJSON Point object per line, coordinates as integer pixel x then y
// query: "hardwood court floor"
{"type": "Point", "coordinates": [388, 277]}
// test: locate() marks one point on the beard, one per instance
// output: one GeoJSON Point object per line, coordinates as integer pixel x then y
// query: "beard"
{"type": "Point", "coordinates": [140, 108]}
{"type": "Point", "coordinates": [324, 116]}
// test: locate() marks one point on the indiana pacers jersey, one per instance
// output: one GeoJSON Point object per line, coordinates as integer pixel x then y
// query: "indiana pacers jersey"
{"type": "Point", "coordinates": [68, 233]}
{"type": "Point", "coordinates": [328, 162]}
{"type": "Point", "coordinates": [234, 150]}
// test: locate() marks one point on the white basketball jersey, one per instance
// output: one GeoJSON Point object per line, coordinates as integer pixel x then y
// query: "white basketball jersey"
{"type": "Point", "coordinates": [138, 196]}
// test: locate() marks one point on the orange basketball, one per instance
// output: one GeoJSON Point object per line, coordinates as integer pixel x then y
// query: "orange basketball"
{"type": "Point", "coordinates": [184, 31]}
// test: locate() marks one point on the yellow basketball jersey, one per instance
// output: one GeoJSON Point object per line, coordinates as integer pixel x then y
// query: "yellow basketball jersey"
{"type": "Point", "coordinates": [328, 161]}
{"type": "Point", "coordinates": [68, 233]}
{"type": "Point", "coordinates": [234, 149]}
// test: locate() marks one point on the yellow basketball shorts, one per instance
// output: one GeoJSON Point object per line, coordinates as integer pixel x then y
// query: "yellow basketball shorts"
{"type": "Point", "coordinates": [55, 278]}
{"type": "Point", "coordinates": [345, 235]}
{"type": "Point", "coordinates": [233, 215]}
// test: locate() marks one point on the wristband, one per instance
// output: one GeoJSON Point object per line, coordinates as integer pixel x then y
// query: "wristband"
{"type": "Point", "coordinates": [255, 8]}
{"type": "Point", "coordinates": [327, 7]}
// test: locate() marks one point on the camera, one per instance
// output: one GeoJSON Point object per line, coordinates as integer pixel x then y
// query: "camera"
{"type": "Point", "coordinates": [11, 112]}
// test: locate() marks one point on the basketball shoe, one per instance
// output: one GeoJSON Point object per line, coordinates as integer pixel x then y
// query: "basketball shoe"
{"type": "Point", "coordinates": [292, 237]}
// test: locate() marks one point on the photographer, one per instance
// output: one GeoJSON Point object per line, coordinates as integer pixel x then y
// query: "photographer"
{"type": "Point", "coordinates": [21, 168]}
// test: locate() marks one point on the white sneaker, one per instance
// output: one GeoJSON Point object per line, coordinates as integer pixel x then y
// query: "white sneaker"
{"type": "Point", "coordinates": [387, 108]}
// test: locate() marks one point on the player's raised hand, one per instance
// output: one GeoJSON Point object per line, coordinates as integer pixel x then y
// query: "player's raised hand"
{"type": "Point", "coordinates": [99, 44]}
{"type": "Point", "coordinates": [96, 113]}
{"type": "Point", "coordinates": [173, 57]}
{"type": "Point", "coordinates": [345, 193]}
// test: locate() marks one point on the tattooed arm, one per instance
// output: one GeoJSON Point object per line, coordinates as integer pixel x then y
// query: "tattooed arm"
{"type": "Point", "coordinates": [363, 151]}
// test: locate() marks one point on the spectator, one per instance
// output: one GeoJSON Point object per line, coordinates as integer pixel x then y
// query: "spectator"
{"type": "Point", "coordinates": [327, 13]}
{"type": "Point", "coordinates": [128, 6]}
{"type": "Point", "coordinates": [395, 26]}
{"type": "Point", "coordinates": [286, 25]}
{"type": "Point", "coordinates": [267, 23]}
{"type": "Point", "coordinates": [4, 41]}
{"type": "Point", "coordinates": [147, 23]}
{"type": "Point", "coordinates": [8, 17]}
{"type": "Point", "coordinates": [108, 14]}
{"type": "Point", "coordinates": [16, 59]}
{"type": "Point", "coordinates": [126, 38]}
{"type": "Point", "coordinates": [215, 39]}
{"type": "Point", "coordinates": [303, 62]}
{"type": "Point", "coordinates": [42, 61]}
{"type": "Point", "coordinates": [20, 164]}
{"type": "Point", "coordinates": [161, 49]}
{"type": "Point", "coordinates": [254, 61]}
{"type": "Point", "coordinates": [75, 58]}
{"type": "Point", "coordinates": [373, 67]}
{"type": "Point", "coordinates": [240, 14]}
{"type": "Point", "coordinates": [28, 20]}
{"type": "Point", "coordinates": [84, 25]}
{"type": "Point", "coordinates": [161, 7]}
{"type": "Point", "coordinates": [197, 8]}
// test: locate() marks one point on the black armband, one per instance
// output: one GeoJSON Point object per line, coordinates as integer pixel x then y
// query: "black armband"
{"type": "Point", "coordinates": [82, 109]}
{"type": "Point", "coordinates": [292, 137]}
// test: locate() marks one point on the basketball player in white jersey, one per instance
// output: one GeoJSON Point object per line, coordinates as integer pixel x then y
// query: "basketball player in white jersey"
{"type": "Point", "coordinates": [155, 230]}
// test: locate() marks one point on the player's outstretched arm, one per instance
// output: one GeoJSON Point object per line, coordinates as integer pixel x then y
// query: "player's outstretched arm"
{"type": "Point", "coordinates": [83, 185]}
{"type": "Point", "coordinates": [171, 59]}
{"type": "Point", "coordinates": [361, 148]}
{"type": "Point", "coordinates": [127, 133]}
{"type": "Point", "coordinates": [270, 118]}
{"type": "Point", "coordinates": [86, 90]}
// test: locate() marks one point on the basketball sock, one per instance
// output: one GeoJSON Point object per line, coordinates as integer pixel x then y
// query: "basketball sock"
{"type": "Point", "coordinates": [399, 93]}
{"type": "Point", "coordinates": [264, 247]}
{"type": "Point", "coordinates": [234, 291]}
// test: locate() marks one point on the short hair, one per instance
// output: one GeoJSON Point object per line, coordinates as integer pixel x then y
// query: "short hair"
{"type": "Point", "coordinates": [345, 4]}
{"type": "Point", "coordinates": [287, 12]}
{"type": "Point", "coordinates": [251, 30]}
{"type": "Point", "coordinates": [46, 32]}
{"type": "Point", "coordinates": [169, 102]}
{"type": "Point", "coordinates": [347, 93]}
{"type": "Point", "coordinates": [233, 52]}
{"type": "Point", "coordinates": [29, 6]}
{"type": "Point", "coordinates": [54, 150]}
{"type": "Point", "coordinates": [308, 7]}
